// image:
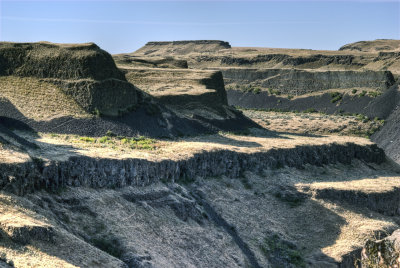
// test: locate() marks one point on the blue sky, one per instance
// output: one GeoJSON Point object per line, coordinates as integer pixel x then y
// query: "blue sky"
{"type": "Point", "coordinates": [124, 26]}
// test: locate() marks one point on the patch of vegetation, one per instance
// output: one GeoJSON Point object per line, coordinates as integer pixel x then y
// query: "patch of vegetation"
{"type": "Point", "coordinates": [139, 142]}
{"type": "Point", "coordinates": [97, 112]}
{"type": "Point", "coordinates": [374, 94]}
{"type": "Point", "coordinates": [290, 97]}
{"type": "Point", "coordinates": [274, 91]}
{"type": "Point", "coordinates": [362, 118]}
{"type": "Point", "coordinates": [108, 243]}
{"type": "Point", "coordinates": [380, 121]}
{"type": "Point", "coordinates": [104, 139]}
{"type": "Point", "coordinates": [88, 139]}
{"type": "Point", "coordinates": [109, 133]}
{"type": "Point", "coordinates": [354, 91]}
{"type": "Point", "coordinates": [363, 93]}
{"type": "Point", "coordinates": [336, 96]}
{"type": "Point", "coordinates": [280, 251]}
{"type": "Point", "coordinates": [246, 88]}
{"type": "Point", "coordinates": [243, 132]}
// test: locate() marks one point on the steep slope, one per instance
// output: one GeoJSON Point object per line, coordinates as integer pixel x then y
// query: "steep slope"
{"type": "Point", "coordinates": [78, 89]}
{"type": "Point", "coordinates": [388, 137]}
{"type": "Point", "coordinates": [190, 202]}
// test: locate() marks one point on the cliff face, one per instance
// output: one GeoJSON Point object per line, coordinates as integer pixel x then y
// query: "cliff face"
{"type": "Point", "coordinates": [298, 82]}
{"type": "Point", "coordinates": [101, 86]}
{"type": "Point", "coordinates": [99, 173]}
{"type": "Point", "coordinates": [193, 94]}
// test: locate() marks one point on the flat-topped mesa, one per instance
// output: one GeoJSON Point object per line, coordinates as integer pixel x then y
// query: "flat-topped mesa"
{"type": "Point", "coordinates": [195, 42]}
{"type": "Point", "coordinates": [182, 47]}
{"type": "Point", "coordinates": [83, 71]}
{"type": "Point", "coordinates": [63, 61]}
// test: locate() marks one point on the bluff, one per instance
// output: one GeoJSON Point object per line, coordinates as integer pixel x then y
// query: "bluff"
{"type": "Point", "coordinates": [83, 71]}
{"type": "Point", "coordinates": [298, 82]}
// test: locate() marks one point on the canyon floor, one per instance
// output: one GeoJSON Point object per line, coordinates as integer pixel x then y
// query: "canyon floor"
{"type": "Point", "coordinates": [292, 214]}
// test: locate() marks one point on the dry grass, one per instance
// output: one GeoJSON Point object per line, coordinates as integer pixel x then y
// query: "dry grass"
{"type": "Point", "coordinates": [333, 228]}
{"type": "Point", "coordinates": [62, 146]}
{"type": "Point", "coordinates": [17, 212]}
{"type": "Point", "coordinates": [314, 123]}
{"type": "Point", "coordinates": [314, 225]}
{"type": "Point", "coordinates": [37, 99]}
{"type": "Point", "coordinates": [161, 82]}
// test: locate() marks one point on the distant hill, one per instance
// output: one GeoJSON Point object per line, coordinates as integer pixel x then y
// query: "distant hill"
{"type": "Point", "coordinates": [373, 46]}
{"type": "Point", "coordinates": [182, 47]}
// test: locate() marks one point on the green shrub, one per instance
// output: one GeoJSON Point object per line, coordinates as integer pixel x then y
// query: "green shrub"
{"type": "Point", "coordinates": [97, 112]}
{"type": "Point", "coordinates": [290, 97]}
{"type": "Point", "coordinates": [362, 94]}
{"type": "Point", "coordinates": [363, 118]}
{"type": "Point", "coordinates": [274, 91]}
{"type": "Point", "coordinates": [354, 91]}
{"type": "Point", "coordinates": [256, 90]}
{"type": "Point", "coordinates": [88, 139]}
{"type": "Point", "coordinates": [109, 244]}
{"type": "Point", "coordinates": [374, 94]}
{"type": "Point", "coordinates": [104, 139]}
{"type": "Point", "coordinates": [336, 96]}
{"type": "Point", "coordinates": [109, 133]}
{"type": "Point", "coordinates": [274, 246]}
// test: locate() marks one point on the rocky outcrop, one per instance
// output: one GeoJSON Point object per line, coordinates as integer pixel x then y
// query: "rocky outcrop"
{"type": "Point", "coordinates": [298, 82]}
{"type": "Point", "coordinates": [382, 253]}
{"type": "Point", "coordinates": [99, 173]}
{"type": "Point", "coordinates": [128, 60]}
{"type": "Point", "coordinates": [180, 87]}
{"type": "Point", "coordinates": [84, 71]}
{"type": "Point", "coordinates": [317, 60]}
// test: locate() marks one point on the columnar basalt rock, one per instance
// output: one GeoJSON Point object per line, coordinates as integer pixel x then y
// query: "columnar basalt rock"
{"type": "Point", "coordinates": [99, 173]}
{"type": "Point", "coordinates": [298, 82]}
